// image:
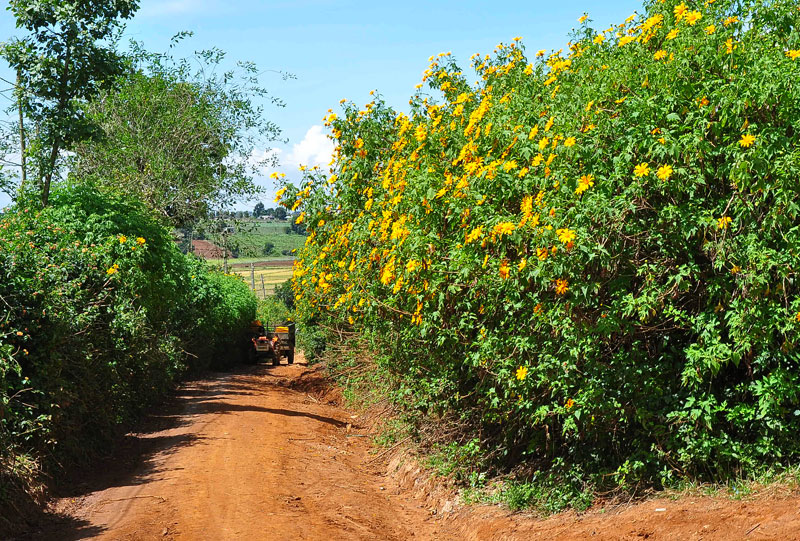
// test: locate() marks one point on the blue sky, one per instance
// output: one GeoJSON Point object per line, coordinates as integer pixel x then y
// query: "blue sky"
{"type": "Point", "coordinates": [344, 49]}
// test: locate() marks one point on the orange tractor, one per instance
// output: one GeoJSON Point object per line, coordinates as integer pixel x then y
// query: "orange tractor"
{"type": "Point", "coordinates": [271, 344]}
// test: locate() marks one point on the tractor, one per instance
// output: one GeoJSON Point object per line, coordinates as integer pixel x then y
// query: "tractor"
{"type": "Point", "coordinates": [271, 343]}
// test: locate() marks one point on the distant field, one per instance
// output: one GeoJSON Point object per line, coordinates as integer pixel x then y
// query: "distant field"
{"type": "Point", "coordinates": [264, 279]}
{"type": "Point", "coordinates": [278, 261]}
{"type": "Point", "coordinates": [253, 236]}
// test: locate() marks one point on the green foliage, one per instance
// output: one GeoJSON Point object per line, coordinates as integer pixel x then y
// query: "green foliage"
{"type": "Point", "coordinates": [273, 310]}
{"type": "Point", "coordinates": [589, 259]}
{"type": "Point", "coordinates": [99, 314]}
{"type": "Point", "coordinates": [181, 134]}
{"type": "Point", "coordinates": [66, 59]}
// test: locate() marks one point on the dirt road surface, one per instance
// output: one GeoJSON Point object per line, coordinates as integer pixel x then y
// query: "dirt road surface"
{"type": "Point", "coordinates": [266, 453]}
{"type": "Point", "coordinates": [255, 454]}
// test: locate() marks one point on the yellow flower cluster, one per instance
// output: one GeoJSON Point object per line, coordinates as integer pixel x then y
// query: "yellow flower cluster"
{"type": "Point", "coordinates": [446, 160]}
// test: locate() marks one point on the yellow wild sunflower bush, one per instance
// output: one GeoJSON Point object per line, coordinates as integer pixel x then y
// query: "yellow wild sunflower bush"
{"type": "Point", "coordinates": [588, 257]}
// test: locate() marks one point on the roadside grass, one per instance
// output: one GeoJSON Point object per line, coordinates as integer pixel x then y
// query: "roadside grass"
{"type": "Point", "coordinates": [769, 482]}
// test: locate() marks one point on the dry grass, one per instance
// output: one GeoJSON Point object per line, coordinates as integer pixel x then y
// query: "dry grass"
{"type": "Point", "coordinates": [265, 280]}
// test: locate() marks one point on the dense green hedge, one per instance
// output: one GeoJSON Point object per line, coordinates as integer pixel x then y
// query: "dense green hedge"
{"type": "Point", "coordinates": [589, 258]}
{"type": "Point", "coordinates": [99, 314]}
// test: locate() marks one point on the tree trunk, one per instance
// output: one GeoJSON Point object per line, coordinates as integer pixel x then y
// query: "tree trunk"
{"type": "Point", "coordinates": [49, 175]}
{"type": "Point", "coordinates": [63, 100]}
{"type": "Point", "coordinates": [23, 175]}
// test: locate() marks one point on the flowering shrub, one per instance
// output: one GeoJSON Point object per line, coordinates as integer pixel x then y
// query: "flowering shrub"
{"type": "Point", "coordinates": [589, 255]}
{"type": "Point", "coordinates": [99, 314]}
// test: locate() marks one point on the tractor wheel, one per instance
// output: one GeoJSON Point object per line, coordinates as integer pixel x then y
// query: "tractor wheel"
{"type": "Point", "coordinates": [252, 356]}
{"type": "Point", "coordinates": [276, 360]}
{"type": "Point", "coordinates": [290, 357]}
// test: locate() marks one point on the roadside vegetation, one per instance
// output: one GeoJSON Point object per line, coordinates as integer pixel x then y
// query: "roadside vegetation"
{"type": "Point", "coordinates": [101, 313]}
{"type": "Point", "coordinates": [578, 274]}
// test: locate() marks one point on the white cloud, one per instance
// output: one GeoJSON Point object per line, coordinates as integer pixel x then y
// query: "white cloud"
{"type": "Point", "coordinates": [314, 149]}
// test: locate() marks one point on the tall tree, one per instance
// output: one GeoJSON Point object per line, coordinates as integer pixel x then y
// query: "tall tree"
{"type": "Point", "coordinates": [182, 137]}
{"type": "Point", "coordinates": [67, 58]}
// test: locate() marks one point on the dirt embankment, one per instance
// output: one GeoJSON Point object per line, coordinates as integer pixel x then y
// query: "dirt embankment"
{"type": "Point", "coordinates": [268, 453]}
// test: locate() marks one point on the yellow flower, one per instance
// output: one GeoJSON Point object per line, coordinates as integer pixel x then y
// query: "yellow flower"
{"type": "Point", "coordinates": [140, 240]}
{"type": "Point", "coordinates": [672, 34]}
{"type": "Point", "coordinates": [570, 403]}
{"type": "Point", "coordinates": [123, 239]}
{"type": "Point", "coordinates": [112, 269]}
{"type": "Point", "coordinates": [526, 207]}
{"type": "Point", "coordinates": [797, 316]}
{"type": "Point", "coordinates": [504, 269]}
{"type": "Point", "coordinates": [730, 20]}
{"type": "Point", "coordinates": [598, 39]}
{"type": "Point", "coordinates": [680, 10]}
{"type": "Point", "coordinates": [724, 222]}
{"type": "Point", "coordinates": [522, 371]}
{"type": "Point", "coordinates": [474, 234]}
{"type": "Point", "coordinates": [300, 218]}
{"type": "Point", "coordinates": [710, 29]}
{"type": "Point", "coordinates": [747, 140]}
{"type": "Point", "coordinates": [584, 183]}
{"type": "Point", "coordinates": [660, 54]}
{"type": "Point", "coordinates": [562, 286]}
{"type": "Point", "coordinates": [359, 143]}
{"type": "Point", "coordinates": [730, 46]}
{"type": "Point", "coordinates": [541, 253]}
{"type": "Point", "coordinates": [543, 142]}
{"type": "Point", "coordinates": [641, 170]}
{"type": "Point", "coordinates": [522, 264]}
{"type": "Point", "coordinates": [692, 17]}
{"type": "Point", "coordinates": [279, 194]}
{"type": "Point", "coordinates": [565, 235]}
{"type": "Point", "coordinates": [503, 228]}
{"type": "Point", "coordinates": [736, 269]}
{"type": "Point", "coordinates": [569, 141]}
{"type": "Point", "coordinates": [624, 40]}
{"type": "Point", "coordinates": [794, 54]}
{"type": "Point", "coordinates": [664, 172]}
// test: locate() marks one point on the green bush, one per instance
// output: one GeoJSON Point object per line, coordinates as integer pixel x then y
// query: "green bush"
{"type": "Point", "coordinates": [273, 311]}
{"type": "Point", "coordinates": [99, 314]}
{"type": "Point", "coordinates": [588, 258]}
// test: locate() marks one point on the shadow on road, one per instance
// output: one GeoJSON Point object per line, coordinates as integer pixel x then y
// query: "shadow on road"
{"type": "Point", "coordinates": [136, 457]}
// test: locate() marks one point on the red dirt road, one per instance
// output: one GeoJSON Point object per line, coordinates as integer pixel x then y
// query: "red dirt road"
{"type": "Point", "coordinates": [266, 453]}
{"type": "Point", "coordinates": [256, 454]}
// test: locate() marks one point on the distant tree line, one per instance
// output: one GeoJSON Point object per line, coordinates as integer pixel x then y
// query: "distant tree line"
{"type": "Point", "coordinates": [260, 210]}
